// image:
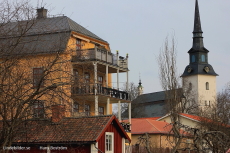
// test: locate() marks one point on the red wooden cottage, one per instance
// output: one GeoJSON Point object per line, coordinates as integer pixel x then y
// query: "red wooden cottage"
{"type": "Point", "coordinates": [94, 134]}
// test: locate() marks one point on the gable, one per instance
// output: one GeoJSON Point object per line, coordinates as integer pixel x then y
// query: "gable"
{"type": "Point", "coordinates": [183, 119]}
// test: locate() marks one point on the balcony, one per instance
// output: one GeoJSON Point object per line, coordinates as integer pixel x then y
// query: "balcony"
{"type": "Point", "coordinates": [126, 126]}
{"type": "Point", "coordinates": [103, 57]}
{"type": "Point", "coordinates": [101, 91]}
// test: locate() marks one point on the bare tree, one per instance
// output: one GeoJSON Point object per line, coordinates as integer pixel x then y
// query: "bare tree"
{"type": "Point", "coordinates": [170, 83]}
{"type": "Point", "coordinates": [214, 124]}
{"type": "Point", "coordinates": [30, 83]}
{"type": "Point", "coordinates": [212, 134]}
{"type": "Point", "coordinates": [136, 109]}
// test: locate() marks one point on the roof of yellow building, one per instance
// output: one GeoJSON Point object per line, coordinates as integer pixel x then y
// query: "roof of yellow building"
{"type": "Point", "coordinates": [149, 125]}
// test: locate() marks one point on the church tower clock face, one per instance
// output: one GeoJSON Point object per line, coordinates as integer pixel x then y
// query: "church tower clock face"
{"type": "Point", "coordinates": [199, 72]}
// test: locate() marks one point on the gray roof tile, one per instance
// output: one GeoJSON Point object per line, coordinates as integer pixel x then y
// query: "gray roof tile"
{"type": "Point", "coordinates": [46, 35]}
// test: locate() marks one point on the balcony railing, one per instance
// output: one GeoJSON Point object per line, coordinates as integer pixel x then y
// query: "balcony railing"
{"type": "Point", "coordinates": [90, 89]}
{"type": "Point", "coordinates": [100, 55]}
{"type": "Point", "coordinates": [126, 126]}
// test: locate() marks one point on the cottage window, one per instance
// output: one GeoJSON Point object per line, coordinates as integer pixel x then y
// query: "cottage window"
{"type": "Point", "coordinates": [38, 109]}
{"type": "Point", "coordinates": [109, 140]}
{"type": "Point", "coordinates": [101, 110]}
{"type": "Point", "coordinates": [37, 77]}
{"type": "Point", "coordinates": [78, 44]}
{"type": "Point", "coordinates": [87, 110]}
{"type": "Point", "coordinates": [75, 107]}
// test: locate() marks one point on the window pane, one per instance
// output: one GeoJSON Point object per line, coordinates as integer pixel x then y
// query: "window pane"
{"type": "Point", "coordinates": [37, 76]}
{"type": "Point", "coordinates": [76, 107]}
{"type": "Point", "coordinates": [109, 142]}
{"type": "Point", "coordinates": [38, 108]}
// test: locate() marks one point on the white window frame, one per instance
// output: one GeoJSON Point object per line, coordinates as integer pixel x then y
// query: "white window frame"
{"type": "Point", "coordinates": [110, 134]}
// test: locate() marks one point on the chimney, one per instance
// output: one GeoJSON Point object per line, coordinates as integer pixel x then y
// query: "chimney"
{"type": "Point", "coordinates": [58, 112]}
{"type": "Point", "coordinates": [41, 13]}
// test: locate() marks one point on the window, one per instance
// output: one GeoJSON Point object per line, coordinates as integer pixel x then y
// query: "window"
{"type": "Point", "coordinates": [100, 79]}
{"type": "Point", "coordinates": [75, 73]}
{"type": "Point", "coordinates": [207, 85]}
{"type": "Point", "coordinates": [78, 44]}
{"type": "Point", "coordinates": [100, 83]}
{"type": "Point", "coordinates": [87, 77]}
{"type": "Point", "coordinates": [101, 110]}
{"type": "Point", "coordinates": [205, 103]}
{"type": "Point", "coordinates": [75, 107]}
{"type": "Point", "coordinates": [37, 77]}
{"type": "Point", "coordinates": [109, 142]}
{"type": "Point", "coordinates": [87, 80]}
{"type": "Point", "coordinates": [202, 58]}
{"type": "Point", "coordinates": [190, 86]}
{"type": "Point", "coordinates": [193, 58]}
{"type": "Point", "coordinates": [87, 110]}
{"type": "Point", "coordinates": [38, 109]}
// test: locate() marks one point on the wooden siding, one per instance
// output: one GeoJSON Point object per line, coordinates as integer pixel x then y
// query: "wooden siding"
{"type": "Point", "coordinates": [117, 139]}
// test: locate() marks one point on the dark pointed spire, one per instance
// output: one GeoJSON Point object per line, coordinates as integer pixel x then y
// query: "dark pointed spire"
{"type": "Point", "coordinates": [197, 32]}
{"type": "Point", "coordinates": [197, 24]}
{"type": "Point", "coordinates": [198, 54]}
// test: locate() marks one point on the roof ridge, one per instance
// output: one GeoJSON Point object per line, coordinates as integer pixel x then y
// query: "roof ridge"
{"type": "Point", "coordinates": [67, 18]}
{"type": "Point", "coordinates": [88, 116]}
{"type": "Point", "coordinates": [152, 125]}
{"type": "Point", "coordinates": [82, 30]}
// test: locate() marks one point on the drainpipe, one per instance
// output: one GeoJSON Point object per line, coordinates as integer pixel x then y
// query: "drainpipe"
{"type": "Point", "coordinates": [98, 148]}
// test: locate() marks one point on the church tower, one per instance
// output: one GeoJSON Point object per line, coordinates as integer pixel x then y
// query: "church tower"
{"type": "Point", "coordinates": [140, 88]}
{"type": "Point", "coordinates": [199, 75]}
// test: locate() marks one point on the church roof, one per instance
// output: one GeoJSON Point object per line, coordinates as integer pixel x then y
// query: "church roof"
{"type": "Point", "coordinates": [151, 97]}
{"type": "Point", "coordinates": [198, 69]}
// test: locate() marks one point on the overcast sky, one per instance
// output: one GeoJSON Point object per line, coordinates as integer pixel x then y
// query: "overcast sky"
{"type": "Point", "coordinates": [139, 28]}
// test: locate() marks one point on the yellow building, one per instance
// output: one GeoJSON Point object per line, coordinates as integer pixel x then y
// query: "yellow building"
{"type": "Point", "coordinates": [60, 62]}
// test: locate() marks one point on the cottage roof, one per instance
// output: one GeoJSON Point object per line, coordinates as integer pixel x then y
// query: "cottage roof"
{"type": "Point", "coordinates": [81, 129]}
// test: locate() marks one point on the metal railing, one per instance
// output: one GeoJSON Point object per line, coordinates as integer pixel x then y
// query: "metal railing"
{"type": "Point", "coordinates": [100, 55]}
{"type": "Point", "coordinates": [90, 89]}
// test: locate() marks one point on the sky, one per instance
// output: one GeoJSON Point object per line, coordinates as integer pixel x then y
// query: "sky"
{"type": "Point", "coordinates": [139, 28]}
